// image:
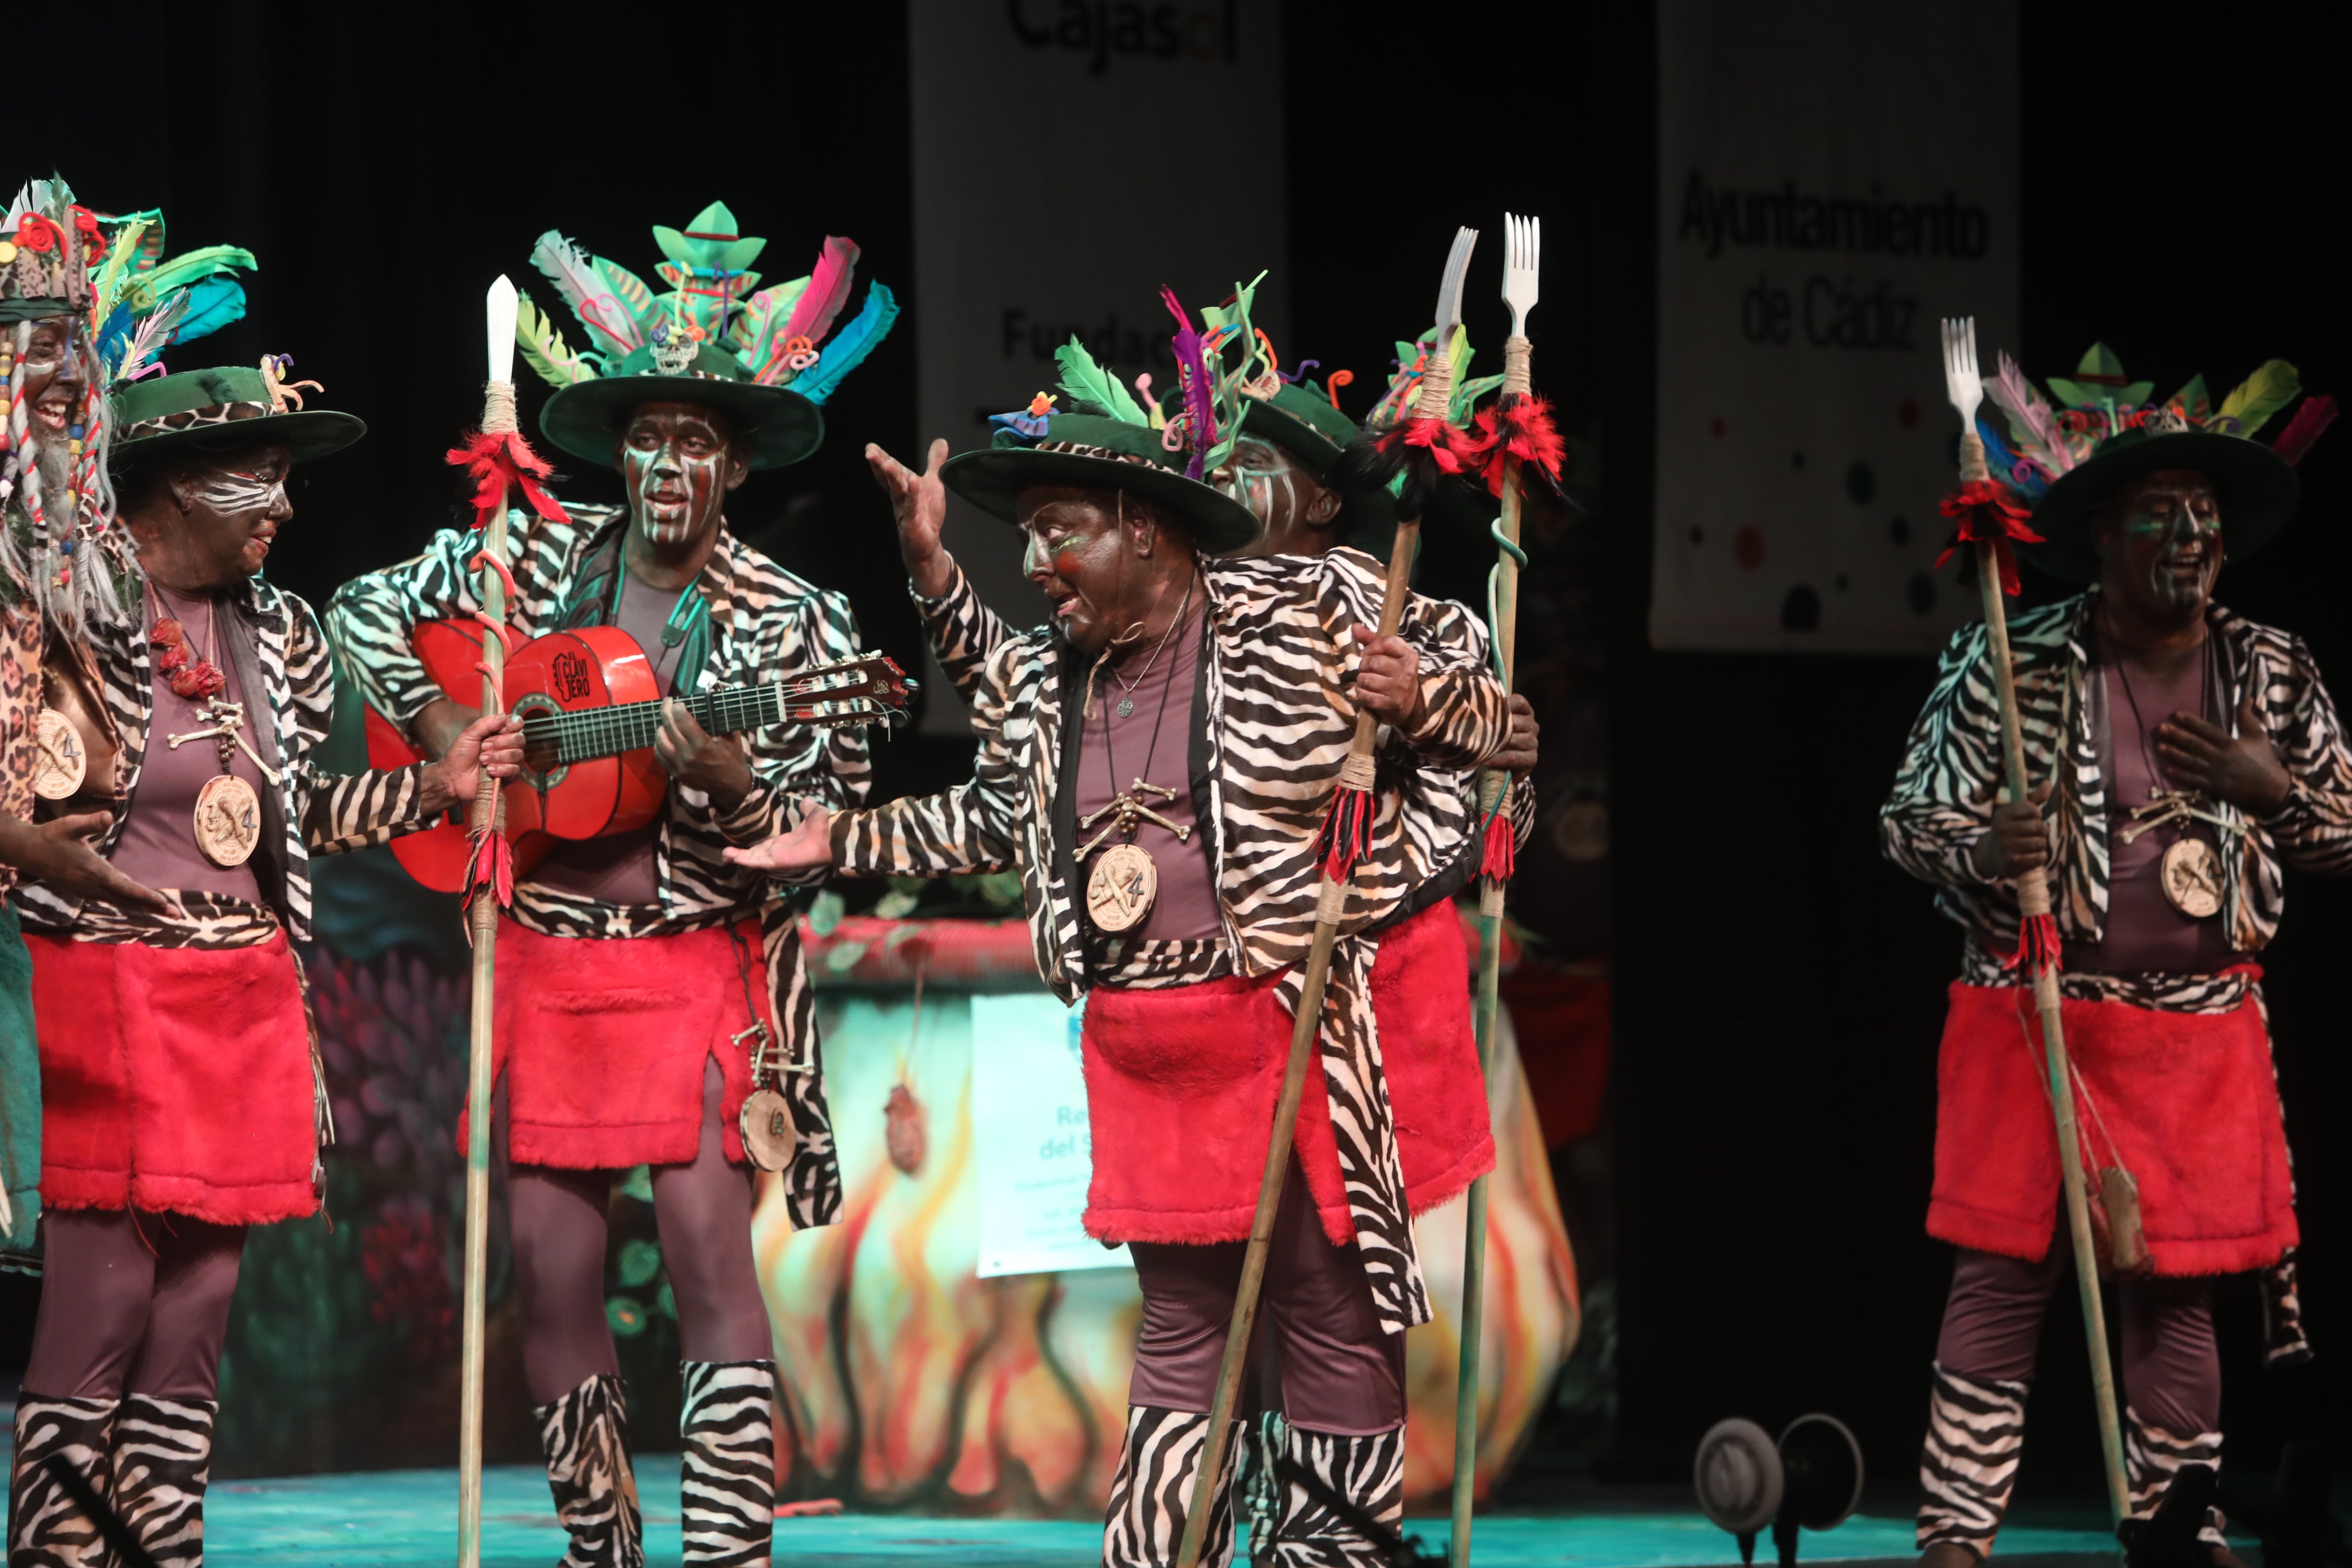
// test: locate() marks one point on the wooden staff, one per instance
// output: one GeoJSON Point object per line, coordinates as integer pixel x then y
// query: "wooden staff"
{"type": "Point", "coordinates": [1494, 796]}
{"type": "Point", "coordinates": [1331, 905]}
{"type": "Point", "coordinates": [487, 823]}
{"type": "Point", "coordinates": [2033, 904]}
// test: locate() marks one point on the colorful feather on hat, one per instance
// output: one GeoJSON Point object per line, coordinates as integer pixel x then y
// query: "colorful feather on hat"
{"type": "Point", "coordinates": [2309, 423]}
{"type": "Point", "coordinates": [2032, 422]}
{"type": "Point", "coordinates": [1193, 369]}
{"type": "Point", "coordinates": [146, 338]}
{"type": "Point", "coordinates": [759, 322]}
{"type": "Point", "coordinates": [827, 291]}
{"type": "Point", "coordinates": [1091, 389]}
{"type": "Point", "coordinates": [614, 324]}
{"type": "Point", "coordinates": [2252, 401]}
{"type": "Point", "coordinates": [543, 347]}
{"type": "Point", "coordinates": [848, 347]}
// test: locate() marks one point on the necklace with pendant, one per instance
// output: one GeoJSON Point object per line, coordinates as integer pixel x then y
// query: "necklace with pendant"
{"type": "Point", "coordinates": [227, 820]}
{"type": "Point", "coordinates": [1127, 687]}
{"type": "Point", "coordinates": [1123, 882]}
{"type": "Point", "coordinates": [2190, 872]}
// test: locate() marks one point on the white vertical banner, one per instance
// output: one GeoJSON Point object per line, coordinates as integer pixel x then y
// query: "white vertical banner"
{"type": "Point", "coordinates": [1070, 157]}
{"type": "Point", "coordinates": [1032, 1143]}
{"type": "Point", "coordinates": [1835, 176]}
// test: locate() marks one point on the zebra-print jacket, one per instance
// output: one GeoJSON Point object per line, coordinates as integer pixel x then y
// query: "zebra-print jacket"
{"type": "Point", "coordinates": [964, 633]}
{"type": "Point", "coordinates": [1942, 801]}
{"type": "Point", "coordinates": [1278, 718]}
{"type": "Point", "coordinates": [279, 653]}
{"type": "Point", "coordinates": [765, 624]}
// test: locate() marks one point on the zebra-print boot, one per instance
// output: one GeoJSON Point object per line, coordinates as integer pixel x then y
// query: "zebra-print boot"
{"type": "Point", "coordinates": [46, 1528]}
{"type": "Point", "coordinates": [1976, 1431]}
{"type": "Point", "coordinates": [586, 1436]}
{"type": "Point", "coordinates": [163, 1459]}
{"type": "Point", "coordinates": [1342, 1500]}
{"type": "Point", "coordinates": [2152, 1456]}
{"type": "Point", "coordinates": [1145, 1522]}
{"type": "Point", "coordinates": [727, 1490]}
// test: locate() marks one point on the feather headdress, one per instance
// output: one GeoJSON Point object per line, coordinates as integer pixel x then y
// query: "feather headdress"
{"type": "Point", "coordinates": [779, 336]}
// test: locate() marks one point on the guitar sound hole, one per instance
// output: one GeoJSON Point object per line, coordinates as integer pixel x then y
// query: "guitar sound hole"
{"type": "Point", "coordinates": [542, 761]}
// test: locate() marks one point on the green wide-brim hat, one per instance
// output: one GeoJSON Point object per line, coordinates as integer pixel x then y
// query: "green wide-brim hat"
{"type": "Point", "coordinates": [1094, 452]}
{"type": "Point", "coordinates": [223, 409]}
{"type": "Point", "coordinates": [2257, 488]}
{"type": "Point", "coordinates": [777, 425]}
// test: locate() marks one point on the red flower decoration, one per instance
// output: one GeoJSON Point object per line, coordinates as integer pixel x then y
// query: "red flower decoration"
{"type": "Point", "coordinates": [167, 634]}
{"type": "Point", "coordinates": [84, 219]}
{"type": "Point", "coordinates": [36, 234]}
{"type": "Point", "coordinates": [172, 658]}
{"type": "Point", "coordinates": [1984, 511]}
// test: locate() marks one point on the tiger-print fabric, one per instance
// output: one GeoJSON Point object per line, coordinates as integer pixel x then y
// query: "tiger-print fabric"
{"type": "Point", "coordinates": [1279, 721]}
{"type": "Point", "coordinates": [162, 1461]}
{"type": "Point", "coordinates": [585, 1436]}
{"type": "Point", "coordinates": [309, 811]}
{"type": "Point", "coordinates": [2223, 993]}
{"type": "Point", "coordinates": [1342, 1500]}
{"type": "Point", "coordinates": [1943, 798]}
{"type": "Point", "coordinates": [964, 633]}
{"type": "Point", "coordinates": [2285, 1341]}
{"type": "Point", "coordinates": [727, 1431]}
{"type": "Point", "coordinates": [1151, 1493]}
{"type": "Point", "coordinates": [20, 714]}
{"type": "Point", "coordinates": [46, 1528]}
{"type": "Point", "coordinates": [1968, 1466]}
{"type": "Point", "coordinates": [2152, 1456]}
{"type": "Point", "coordinates": [765, 624]}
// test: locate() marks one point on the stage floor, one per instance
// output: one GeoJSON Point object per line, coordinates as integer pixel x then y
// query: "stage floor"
{"type": "Point", "coordinates": [402, 1517]}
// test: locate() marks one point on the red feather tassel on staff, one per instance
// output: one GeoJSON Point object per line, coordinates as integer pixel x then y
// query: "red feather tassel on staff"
{"type": "Point", "coordinates": [492, 871]}
{"type": "Point", "coordinates": [1516, 428]}
{"type": "Point", "coordinates": [1983, 510]}
{"type": "Point", "coordinates": [2037, 945]}
{"type": "Point", "coordinates": [494, 460]}
{"type": "Point", "coordinates": [1500, 858]}
{"type": "Point", "coordinates": [1347, 834]}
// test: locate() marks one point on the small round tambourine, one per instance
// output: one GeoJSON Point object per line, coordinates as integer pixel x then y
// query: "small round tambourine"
{"type": "Point", "coordinates": [60, 764]}
{"type": "Point", "coordinates": [769, 1136]}
{"type": "Point", "coordinates": [2192, 878]}
{"type": "Point", "coordinates": [1120, 887]}
{"type": "Point", "coordinates": [228, 820]}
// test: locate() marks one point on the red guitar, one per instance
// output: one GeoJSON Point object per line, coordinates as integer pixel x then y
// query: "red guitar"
{"type": "Point", "coordinates": [591, 710]}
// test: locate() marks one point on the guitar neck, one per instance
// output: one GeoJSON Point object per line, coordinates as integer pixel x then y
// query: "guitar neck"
{"type": "Point", "coordinates": [631, 726]}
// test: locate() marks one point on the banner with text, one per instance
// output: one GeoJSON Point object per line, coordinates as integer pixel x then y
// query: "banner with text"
{"type": "Point", "coordinates": [1835, 176]}
{"type": "Point", "coordinates": [1056, 150]}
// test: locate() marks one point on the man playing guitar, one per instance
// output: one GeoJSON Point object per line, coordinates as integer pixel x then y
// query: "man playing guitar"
{"type": "Point", "coordinates": [642, 980]}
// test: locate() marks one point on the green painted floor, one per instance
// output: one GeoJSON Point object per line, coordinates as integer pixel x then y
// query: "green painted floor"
{"type": "Point", "coordinates": [402, 1517]}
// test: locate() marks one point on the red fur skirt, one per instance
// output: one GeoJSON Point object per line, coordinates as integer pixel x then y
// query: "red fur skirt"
{"type": "Point", "coordinates": [602, 1041]}
{"type": "Point", "coordinates": [1182, 1085]}
{"type": "Point", "coordinates": [175, 1079]}
{"type": "Point", "coordinates": [2187, 1102]}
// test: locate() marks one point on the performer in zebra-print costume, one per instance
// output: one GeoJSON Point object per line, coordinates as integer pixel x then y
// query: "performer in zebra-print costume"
{"type": "Point", "coordinates": [2183, 755]}
{"type": "Point", "coordinates": [1231, 687]}
{"type": "Point", "coordinates": [638, 970]}
{"type": "Point", "coordinates": [181, 1095]}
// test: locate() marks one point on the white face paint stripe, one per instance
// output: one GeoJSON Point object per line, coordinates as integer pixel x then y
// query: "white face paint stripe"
{"type": "Point", "coordinates": [235, 491]}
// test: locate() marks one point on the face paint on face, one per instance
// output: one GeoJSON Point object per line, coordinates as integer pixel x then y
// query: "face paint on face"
{"type": "Point", "coordinates": [56, 376]}
{"type": "Point", "coordinates": [230, 510]}
{"type": "Point", "coordinates": [1076, 547]}
{"type": "Point", "coordinates": [680, 463]}
{"type": "Point", "coordinates": [1292, 509]}
{"type": "Point", "coordinates": [2161, 549]}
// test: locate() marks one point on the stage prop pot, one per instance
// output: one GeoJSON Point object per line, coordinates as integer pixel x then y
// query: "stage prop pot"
{"type": "Point", "coordinates": [909, 1382]}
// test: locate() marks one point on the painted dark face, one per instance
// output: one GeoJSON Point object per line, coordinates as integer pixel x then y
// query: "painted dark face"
{"type": "Point", "coordinates": [1092, 553]}
{"type": "Point", "coordinates": [680, 460]}
{"type": "Point", "coordinates": [2159, 546]}
{"type": "Point", "coordinates": [56, 376]}
{"type": "Point", "coordinates": [212, 522]}
{"type": "Point", "coordinates": [1294, 509]}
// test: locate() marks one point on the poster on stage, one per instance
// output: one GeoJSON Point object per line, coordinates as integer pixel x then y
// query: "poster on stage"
{"type": "Point", "coordinates": [1053, 197]}
{"type": "Point", "coordinates": [1034, 1151]}
{"type": "Point", "coordinates": [1832, 179]}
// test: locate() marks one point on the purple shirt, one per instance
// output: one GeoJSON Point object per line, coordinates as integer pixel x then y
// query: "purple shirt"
{"type": "Point", "coordinates": [2145, 932]}
{"type": "Point", "coordinates": [619, 868]}
{"type": "Point", "coordinates": [1153, 742]}
{"type": "Point", "coordinates": [158, 845]}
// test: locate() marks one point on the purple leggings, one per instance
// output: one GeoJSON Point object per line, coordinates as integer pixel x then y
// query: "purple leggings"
{"type": "Point", "coordinates": [704, 1210]}
{"type": "Point", "coordinates": [1336, 1370]}
{"type": "Point", "coordinates": [133, 1303]}
{"type": "Point", "coordinates": [2172, 1374]}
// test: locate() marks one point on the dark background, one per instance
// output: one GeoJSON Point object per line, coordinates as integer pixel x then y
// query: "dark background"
{"type": "Point", "coordinates": [1779, 988]}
